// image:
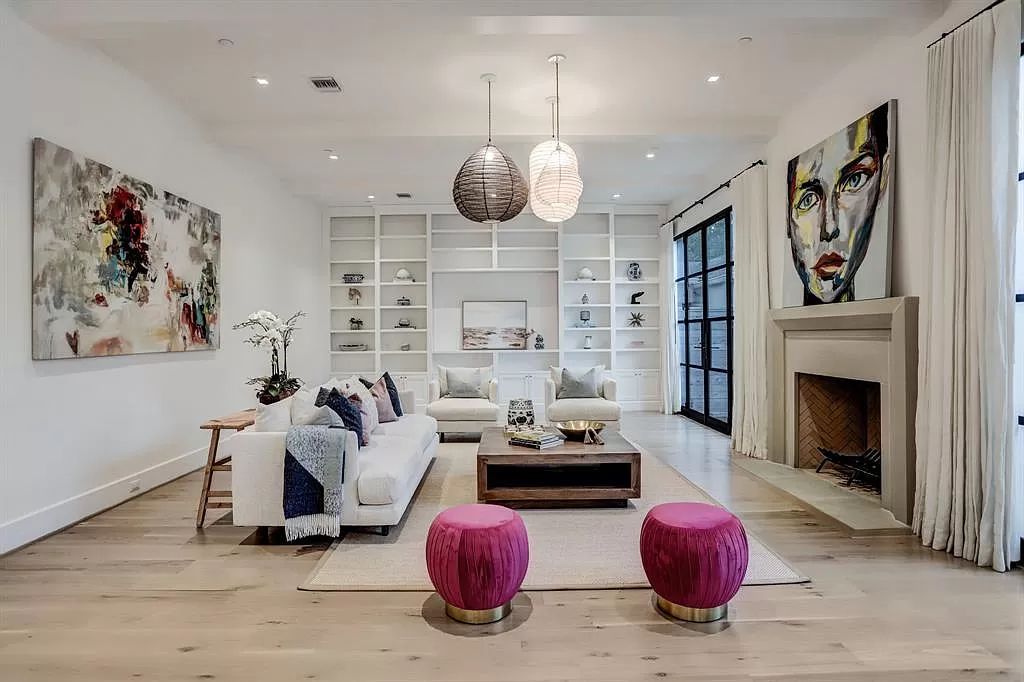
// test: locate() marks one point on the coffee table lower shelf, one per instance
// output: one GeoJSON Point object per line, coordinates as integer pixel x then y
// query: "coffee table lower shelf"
{"type": "Point", "coordinates": [573, 475]}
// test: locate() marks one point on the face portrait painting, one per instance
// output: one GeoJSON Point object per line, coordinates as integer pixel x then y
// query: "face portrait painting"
{"type": "Point", "coordinates": [839, 212]}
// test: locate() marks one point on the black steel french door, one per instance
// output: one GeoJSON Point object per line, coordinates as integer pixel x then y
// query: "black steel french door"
{"type": "Point", "coordinates": [704, 263]}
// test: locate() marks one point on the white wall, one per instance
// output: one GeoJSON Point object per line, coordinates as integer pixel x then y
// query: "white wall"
{"type": "Point", "coordinates": [76, 433]}
{"type": "Point", "coordinates": [895, 69]}
{"type": "Point", "coordinates": [718, 201]}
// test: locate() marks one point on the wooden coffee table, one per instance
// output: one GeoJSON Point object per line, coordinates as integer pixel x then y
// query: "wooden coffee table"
{"type": "Point", "coordinates": [570, 475]}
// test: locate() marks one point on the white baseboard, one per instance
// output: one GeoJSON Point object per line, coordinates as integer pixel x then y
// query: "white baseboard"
{"type": "Point", "coordinates": [34, 525]}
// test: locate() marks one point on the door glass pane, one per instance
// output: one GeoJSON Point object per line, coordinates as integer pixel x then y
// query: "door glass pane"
{"type": "Point", "coordinates": [695, 347]}
{"type": "Point", "coordinates": [695, 377]}
{"type": "Point", "coordinates": [680, 257]}
{"type": "Point", "coordinates": [695, 297]}
{"type": "Point", "coordinates": [681, 300]}
{"type": "Point", "coordinates": [716, 243]}
{"type": "Point", "coordinates": [718, 398]}
{"type": "Point", "coordinates": [717, 298]}
{"type": "Point", "coordinates": [720, 344]}
{"type": "Point", "coordinates": [693, 253]}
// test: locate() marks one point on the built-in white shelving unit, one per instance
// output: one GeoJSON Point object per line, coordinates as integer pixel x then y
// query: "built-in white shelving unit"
{"type": "Point", "coordinates": [453, 260]}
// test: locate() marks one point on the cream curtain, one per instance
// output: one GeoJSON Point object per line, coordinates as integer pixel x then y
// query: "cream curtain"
{"type": "Point", "coordinates": [670, 390]}
{"type": "Point", "coordinates": [965, 461]}
{"type": "Point", "coordinates": [750, 296]}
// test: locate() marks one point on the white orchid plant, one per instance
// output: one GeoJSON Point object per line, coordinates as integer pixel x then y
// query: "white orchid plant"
{"type": "Point", "coordinates": [273, 335]}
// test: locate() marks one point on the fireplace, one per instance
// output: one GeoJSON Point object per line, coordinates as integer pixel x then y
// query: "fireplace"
{"type": "Point", "coordinates": [840, 415]}
{"type": "Point", "coordinates": [844, 376]}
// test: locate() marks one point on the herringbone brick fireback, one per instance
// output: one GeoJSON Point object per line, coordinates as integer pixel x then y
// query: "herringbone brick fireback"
{"type": "Point", "coordinates": [839, 414]}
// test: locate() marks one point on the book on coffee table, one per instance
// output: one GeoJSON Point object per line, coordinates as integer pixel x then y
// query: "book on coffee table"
{"type": "Point", "coordinates": [537, 438]}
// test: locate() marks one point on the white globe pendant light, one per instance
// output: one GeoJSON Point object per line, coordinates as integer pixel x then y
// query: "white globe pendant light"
{"type": "Point", "coordinates": [555, 183]}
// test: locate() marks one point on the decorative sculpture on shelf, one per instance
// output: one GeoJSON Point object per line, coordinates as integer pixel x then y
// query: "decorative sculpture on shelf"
{"type": "Point", "coordinates": [538, 343]}
{"type": "Point", "coordinates": [403, 301]}
{"type": "Point", "coordinates": [585, 274]}
{"type": "Point", "coordinates": [403, 275]}
{"type": "Point", "coordinates": [633, 272]}
{"type": "Point", "coordinates": [588, 342]}
{"type": "Point", "coordinates": [355, 323]}
{"type": "Point", "coordinates": [635, 298]}
{"type": "Point", "coordinates": [406, 346]}
{"type": "Point", "coordinates": [636, 319]}
{"type": "Point", "coordinates": [585, 299]}
{"type": "Point", "coordinates": [585, 318]}
{"type": "Point", "coordinates": [355, 295]}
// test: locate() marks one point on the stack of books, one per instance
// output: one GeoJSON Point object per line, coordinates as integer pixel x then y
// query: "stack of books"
{"type": "Point", "coordinates": [536, 438]}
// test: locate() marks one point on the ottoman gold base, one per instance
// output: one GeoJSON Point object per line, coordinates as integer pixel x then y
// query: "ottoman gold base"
{"type": "Point", "coordinates": [478, 617]}
{"type": "Point", "coordinates": [690, 614]}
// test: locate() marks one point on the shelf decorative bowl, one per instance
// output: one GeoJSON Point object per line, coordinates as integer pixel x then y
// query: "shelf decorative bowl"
{"type": "Point", "coordinates": [577, 429]}
{"type": "Point", "coordinates": [351, 347]}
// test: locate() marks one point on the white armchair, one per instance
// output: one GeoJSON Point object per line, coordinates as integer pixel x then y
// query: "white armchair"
{"type": "Point", "coordinates": [603, 408]}
{"type": "Point", "coordinates": [463, 415]}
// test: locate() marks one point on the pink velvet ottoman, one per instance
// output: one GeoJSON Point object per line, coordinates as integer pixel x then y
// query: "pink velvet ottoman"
{"type": "Point", "coordinates": [477, 556]}
{"type": "Point", "coordinates": [695, 556]}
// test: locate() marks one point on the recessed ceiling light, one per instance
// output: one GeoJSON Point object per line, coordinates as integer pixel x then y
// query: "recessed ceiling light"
{"type": "Point", "coordinates": [333, 157]}
{"type": "Point", "coordinates": [713, 78]}
{"type": "Point", "coordinates": [616, 196]}
{"type": "Point", "coordinates": [370, 197]}
{"type": "Point", "coordinates": [261, 81]}
{"type": "Point", "coordinates": [746, 40]}
{"type": "Point", "coordinates": [226, 42]}
{"type": "Point", "coordinates": [650, 155]}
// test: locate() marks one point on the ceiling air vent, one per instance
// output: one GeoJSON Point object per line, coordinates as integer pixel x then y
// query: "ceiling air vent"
{"type": "Point", "coordinates": [403, 195]}
{"type": "Point", "coordinates": [324, 84]}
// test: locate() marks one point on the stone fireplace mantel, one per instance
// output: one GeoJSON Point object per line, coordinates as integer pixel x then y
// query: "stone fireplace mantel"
{"type": "Point", "coordinates": [872, 341]}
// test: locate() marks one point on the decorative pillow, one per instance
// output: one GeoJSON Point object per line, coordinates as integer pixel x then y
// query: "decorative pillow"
{"type": "Point", "coordinates": [366, 383]}
{"type": "Point", "coordinates": [396, 401]}
{"type": "Point", "coordinates": [305, 412]}
{"type": "Point", "coordinates": [365, 409]}
{"type": "Point", "coordinates": [579, 383]}
{"type": "Point", "coordinates": [464, 382]}
{"type": "Point", "coordinates": [349, 413]}
{"type": "Point", "coordinates": [385, 410]}
{"type": "Point", "coordinates": [352, 387]}
{"type": "Point", "coordinates": [442, 378]}
{"type": "Point", "coordinates": [274, 417]}
{"type": "Point", "coordinates": [556, 377]}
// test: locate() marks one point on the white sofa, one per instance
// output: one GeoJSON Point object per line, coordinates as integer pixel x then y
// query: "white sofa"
{"type": "Point", "coordinates": [603, 409]}
{"type": "Point", "coordinates": [463, 415]}
{"type": "Point", "coordinates": [379, 479]}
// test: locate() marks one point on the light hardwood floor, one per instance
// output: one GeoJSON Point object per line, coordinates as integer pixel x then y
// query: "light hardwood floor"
{"type": "Point", "coordinates": [137, 593]}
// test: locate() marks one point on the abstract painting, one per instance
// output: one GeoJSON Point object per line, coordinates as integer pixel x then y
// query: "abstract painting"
{"type": "Point", "coordinates": [839, 213]}
{"type": "Point", "coordinates": [494, 325]}
{"type": "Point", "coordinates": [119, 266]}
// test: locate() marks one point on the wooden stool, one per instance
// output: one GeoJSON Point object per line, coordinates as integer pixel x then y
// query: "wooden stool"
{"type": "Point", "coordinates": [234, 422]}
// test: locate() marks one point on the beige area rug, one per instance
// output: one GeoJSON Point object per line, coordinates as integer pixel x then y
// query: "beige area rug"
{"type": "Point", "coordinates": [570, 549]}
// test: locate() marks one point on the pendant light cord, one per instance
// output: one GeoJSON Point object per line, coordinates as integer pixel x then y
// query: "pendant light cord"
{"type": "Point", "coordinates": [558, 105]}
{"type": "Point", "coordinates": [488, 112]}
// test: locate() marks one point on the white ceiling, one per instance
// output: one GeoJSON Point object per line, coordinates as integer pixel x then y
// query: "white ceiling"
{"type": "Point", "coordinates": [413, 106]}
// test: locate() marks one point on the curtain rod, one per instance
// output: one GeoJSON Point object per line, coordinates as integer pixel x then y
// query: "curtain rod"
{"type": "Point", "coordinates": [759, 162]}
{"type": "Point", "coordinates": [963, 23]}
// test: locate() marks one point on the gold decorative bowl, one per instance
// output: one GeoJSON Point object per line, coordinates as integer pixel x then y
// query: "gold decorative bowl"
{"type": "Point", "coordinates": [577, 428]}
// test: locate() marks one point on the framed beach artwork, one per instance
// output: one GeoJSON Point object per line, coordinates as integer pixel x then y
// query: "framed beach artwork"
{"type": "Point", "coordinates": [839, 213]}
{"type": "Point", "coordinates": [494, 325]}
{"type": "Point", "coordinates": [119, 266]}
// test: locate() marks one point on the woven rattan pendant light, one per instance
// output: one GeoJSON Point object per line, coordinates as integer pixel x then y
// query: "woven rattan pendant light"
{"type": "Point", "coordinates": [555, 183]}
{"type": "Point", "coordinates": [489, 188]}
